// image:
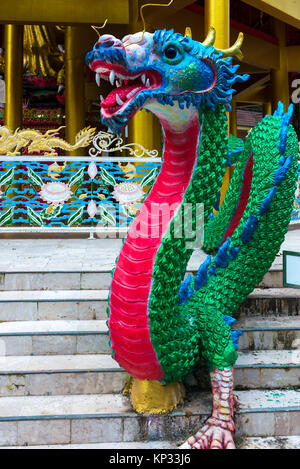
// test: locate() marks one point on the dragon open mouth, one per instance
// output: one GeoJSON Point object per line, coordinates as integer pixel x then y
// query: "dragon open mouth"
{"type": "Point", "coordinates": [128, 85]}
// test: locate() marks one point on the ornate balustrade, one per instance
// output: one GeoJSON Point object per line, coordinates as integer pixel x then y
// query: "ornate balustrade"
{"type": "Point", "coordinates": [100, 192]}
{"type": "Point", "coordinates": [95, 193]}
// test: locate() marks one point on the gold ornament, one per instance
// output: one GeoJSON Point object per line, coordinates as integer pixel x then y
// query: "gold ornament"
{"type": "Point", "coordinates": [233, 51]}
{"type": "Point", "coordinates": [41, 54]}
{"type": "Point", "coordinates": [11, 143]}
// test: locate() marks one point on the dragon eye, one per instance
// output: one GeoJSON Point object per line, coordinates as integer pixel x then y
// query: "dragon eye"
{"type": "Point", "coordinates": [171, 52]}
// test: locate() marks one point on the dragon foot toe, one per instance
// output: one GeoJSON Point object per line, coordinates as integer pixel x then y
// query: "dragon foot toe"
{"type": "Point", "coordinates": [211, 436]}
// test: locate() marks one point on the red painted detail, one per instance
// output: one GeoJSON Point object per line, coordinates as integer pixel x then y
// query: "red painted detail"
{"type": "Point", "coordinates": [243, 200]}
{"type": "Point", "coordinates": [132, 281]}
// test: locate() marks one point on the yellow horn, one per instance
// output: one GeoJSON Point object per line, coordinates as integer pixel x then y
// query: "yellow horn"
{"type": "Point", "coordinates": [188, 32]}
{"type": "Point", "coordinates": [235, 50]}
{"type": "Point", "coordinates": [210, 38]}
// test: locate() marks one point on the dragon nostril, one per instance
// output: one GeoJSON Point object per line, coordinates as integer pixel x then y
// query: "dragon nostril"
{"type": "Point", "coordinates": [106, 41]}
{"type": "Point", "coordinates": [104, 44]}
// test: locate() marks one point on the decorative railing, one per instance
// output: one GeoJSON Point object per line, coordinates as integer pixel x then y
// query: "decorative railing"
{"type": "Point", "coordinates": [101, 192]}
{"type": "Point", "coordinates": [73, 193]}
{"type": "Point", "coordinates": [96, 193]}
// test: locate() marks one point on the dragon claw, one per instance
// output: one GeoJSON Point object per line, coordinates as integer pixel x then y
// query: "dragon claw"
{"type": "Point", "coordinates": [219, 429]}
{"type": "Point", "coordinates": [210, 437]}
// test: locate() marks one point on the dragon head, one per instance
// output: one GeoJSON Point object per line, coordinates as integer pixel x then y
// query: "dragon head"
{"type": "Point", "coordinates": [163, 69]}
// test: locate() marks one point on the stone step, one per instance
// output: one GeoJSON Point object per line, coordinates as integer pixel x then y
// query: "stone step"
{"type": "Point", "coordinates": [269, 333]}
{"type": "Point", "coordinates": [56, 280]}
{"type": "Point", "coordinates": [89, 374]}
{"type": "Point", "coordinates": [45, 305]}
{"type": "Point", "coordinates": [71, 337]}
{"type": "Point", "coordinates": [272, 301]}
{"type": "Point", "coordinates": [90, 279]}
{"type": "Point", "coordinates": [279, 442]}
{"type": "Point", "coordinates": [109, 418]}
{"type": "Point", "coordinates": [77, 264]}
{"type": "Point", "coordinates": [53, 304]}
{"type": "Point", "coordinates": [141, 445]}
{"type": "Point", "coordinates": [60, 374]}
{"type": "Point", "coordinates": [65, 337]}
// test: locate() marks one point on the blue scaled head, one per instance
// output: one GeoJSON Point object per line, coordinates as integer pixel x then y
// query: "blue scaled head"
{"type": "Point", "coordinates": [165, 68]}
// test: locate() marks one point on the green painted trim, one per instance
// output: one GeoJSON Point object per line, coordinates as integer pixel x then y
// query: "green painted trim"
{"type": "Point", "coordinates": [284, 256]}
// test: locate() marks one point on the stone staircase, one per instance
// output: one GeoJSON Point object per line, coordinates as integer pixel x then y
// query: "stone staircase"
{"type": "Point", "coordinates": [59, 385]}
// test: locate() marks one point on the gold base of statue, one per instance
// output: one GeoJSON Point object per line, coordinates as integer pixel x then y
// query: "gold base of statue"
{"type": "Point", "coordinates": [152, 397]}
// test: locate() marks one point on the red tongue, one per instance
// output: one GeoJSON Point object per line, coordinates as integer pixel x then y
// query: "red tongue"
{"type": "Point", "coordinates": [122, 92]}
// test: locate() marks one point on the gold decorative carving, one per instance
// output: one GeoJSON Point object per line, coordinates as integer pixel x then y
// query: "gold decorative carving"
{"type": "Point", "coordinates": [11, 143]}
{"type": "Point", "coordinates": [108, 142]}
{"type": "Point", "coordinates": [42, 56]}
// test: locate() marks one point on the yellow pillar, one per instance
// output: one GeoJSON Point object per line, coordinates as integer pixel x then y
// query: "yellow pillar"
{"type": "Point", "coordinates": [267, 108]}
{"type": "Point", "coordinates": [144, 128]}
{"type": "Point", "coordinates": [280, 77]}
{"type": "Point", "coordinates": [217, 14]}
{"type": "Point", "coordinates": [75, 104]}
{"type": "Point", "coordinates": [13, 75]}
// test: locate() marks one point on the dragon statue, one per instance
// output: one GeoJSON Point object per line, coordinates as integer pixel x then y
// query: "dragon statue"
{"type": "Point", "coordinates": [11, 143]}
{"type": "Point", "coordinates": [162, 324]}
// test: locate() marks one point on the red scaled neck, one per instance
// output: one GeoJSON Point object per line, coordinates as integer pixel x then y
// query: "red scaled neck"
{"type": "Point", "coordinates": [131, 285]}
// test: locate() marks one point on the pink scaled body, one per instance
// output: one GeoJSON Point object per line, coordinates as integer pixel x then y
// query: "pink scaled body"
{"type": "Point", "coordinates": [131, 285]}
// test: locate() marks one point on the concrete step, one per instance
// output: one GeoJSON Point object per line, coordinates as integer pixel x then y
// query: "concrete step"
{"type": "Point", "coordinates": [60, 374]}
{"type": "Point", "coordinates": [272, 301]}
{"type": "Point", "coordinates": [269, 333]}
{"type": "Point", "coordinates": [71, 337]}
{"type": "Point", "coordinates": [68, 279]}
{"type": "Point", "coordinates": [50, 305]}
{"type": "Point", "coordinates": [109, 418]}
{"type": "Point", "coordinates": [88, 374]}
{"type": "Point", "coordinates": [267, 369]}
{"type": "Point", "coordinates": [280, 442]}
{"type": "Point", "coordinates": [74, 264]}
{"type": "Point", "coordinates": [65, 337]}
{"type": "Point", "coordinates": [45, 305]}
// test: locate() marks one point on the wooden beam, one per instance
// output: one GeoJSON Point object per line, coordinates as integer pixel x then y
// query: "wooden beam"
{"type": "Point", "coordinates": [287, 11]}
{"type": "Point", "coordinates": [154, 13]}
{"type": "Point", "coordinates": [257, 96]}
{"type": "Point", "coordinates": [64, 12]}
{"type": "Point", "coordinates": [253, 85]}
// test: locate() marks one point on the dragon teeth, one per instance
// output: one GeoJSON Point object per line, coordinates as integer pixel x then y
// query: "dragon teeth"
{"type": "Point", "coordinates": [132, 92]}
{"type": "Point", "coordinates": [112, 77]}
{"type": "Point", "coordinates": [147, 83]}
{"type": "Point", "coordinates": [101, 98]}
{"type": "Point", "coordinates": [98, 79]}
{"type": "Point", "coordinates": [143, 78]}
{"type": "Point", "coordinates": [119, 100]}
